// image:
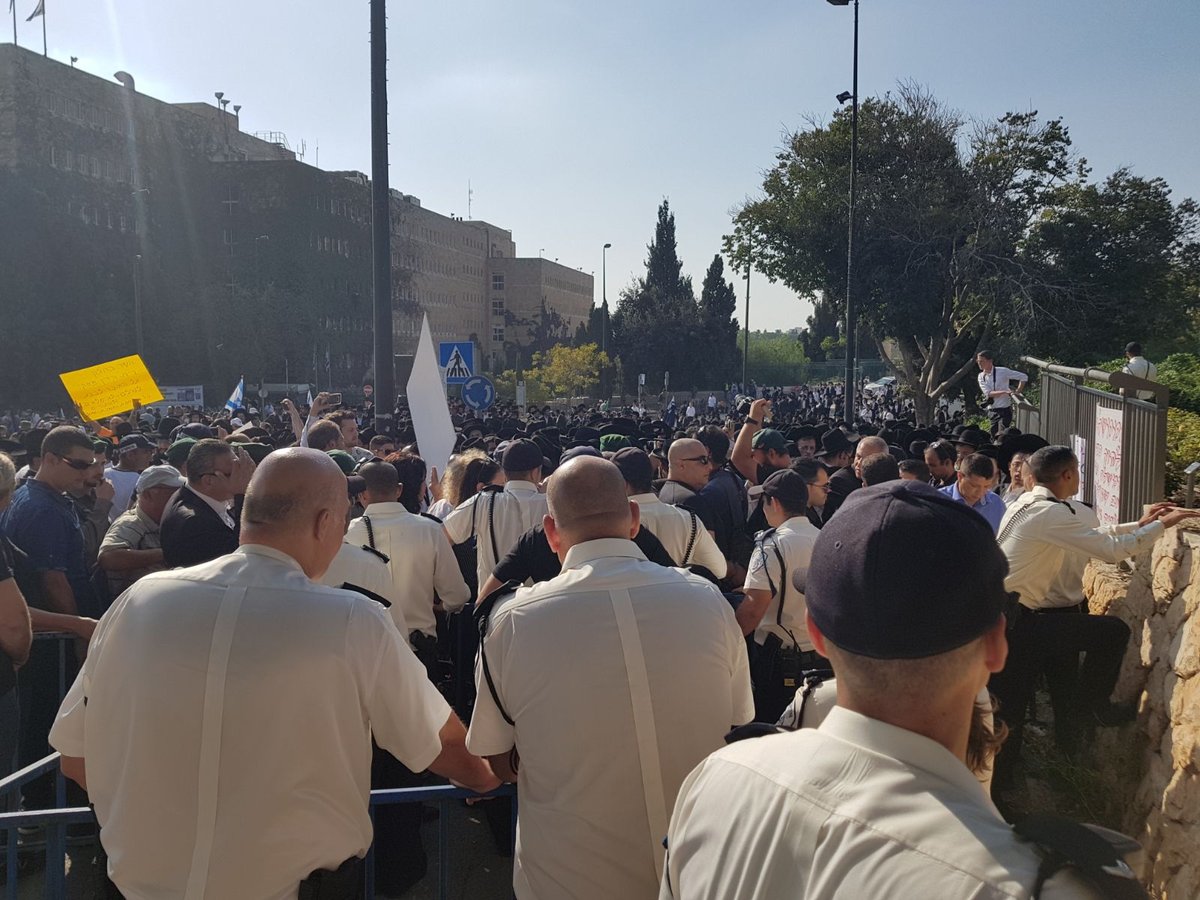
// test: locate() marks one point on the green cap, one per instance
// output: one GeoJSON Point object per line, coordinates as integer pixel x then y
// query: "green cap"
{"type": "Point", "coordinates": [344, 460]}
{"type": "Point", "coordinates": [177, 453]}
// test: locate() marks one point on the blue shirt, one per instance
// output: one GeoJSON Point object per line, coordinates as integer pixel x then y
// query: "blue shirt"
{"type": "Point", "coordinates": [43, 523]}
{"type": "Point", "coordinates": [991, 507]}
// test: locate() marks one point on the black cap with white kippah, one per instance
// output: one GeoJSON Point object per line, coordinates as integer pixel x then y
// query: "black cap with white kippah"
{"type": "Point", "coordinates": [904, 572]}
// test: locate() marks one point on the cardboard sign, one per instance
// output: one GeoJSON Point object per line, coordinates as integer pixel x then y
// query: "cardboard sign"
{"type": "Point", "coordinates": [1106, 465]}
{"type": "Point", "coordinates": [110, 388]}
{"type": "Point", "coordinates": [427, 405]}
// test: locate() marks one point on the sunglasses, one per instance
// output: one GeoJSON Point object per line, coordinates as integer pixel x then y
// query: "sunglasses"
{"type": "Point", "coordinates": [77, 464]}
{"type": "Point", "coordinates": [703, 460]}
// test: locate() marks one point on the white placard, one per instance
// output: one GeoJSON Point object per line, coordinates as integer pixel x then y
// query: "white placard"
{"type": "Point", "coordinates": [1106, 465]}
{"type": "Point", "coordinates": [427, 404]}
{"type": "Point", "coordinates": [1079, 446]}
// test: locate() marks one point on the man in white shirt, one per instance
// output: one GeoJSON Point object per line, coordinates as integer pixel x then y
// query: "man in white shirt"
{"type": "Point", "coordinates": [611, 682]}
{"type": "Point", "coordinates": [135, 452]}
{"type": "Point", "coordinates": [881, 799]}
{"type": "Point", "coordinates": [420, 559]}
{"type": "Point", "coordinates": [499, 518]}
{"type": "Point", "coordinates": [1139, 367]}
{"type": "Point", "coordinates": [681, 532]}
{"type": "Point", "coordinates": [254, 694]}
{"type": "Point", "coordinates": [773, 610]}
{"type": "Point", "coordinates": [1041, 535]}
{"type": "Point", "coordinates": [996, 385]}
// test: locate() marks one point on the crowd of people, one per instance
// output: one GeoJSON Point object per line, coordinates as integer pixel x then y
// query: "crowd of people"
{"type": "Point", "coordinates": [745, 648]}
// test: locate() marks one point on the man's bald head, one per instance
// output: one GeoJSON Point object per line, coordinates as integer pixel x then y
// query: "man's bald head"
{"type": "Point", "coordinates": [683, 448]}
{"type": "Point", "coordinates": [689, 463]}
{"type": "Point", "coordinates": [587, 501]}
{"type": "Point", "coordinates": [296, 503]}
{"type": "Point", "coordinates": [869, 446]}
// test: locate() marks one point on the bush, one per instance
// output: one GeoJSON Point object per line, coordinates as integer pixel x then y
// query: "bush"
{"type": "Point", "coordinates": [1181, 373]}
{"type": "Point", "coordinates": [1183, 446]}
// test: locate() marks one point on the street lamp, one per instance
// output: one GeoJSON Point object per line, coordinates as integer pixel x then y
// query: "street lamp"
{"type": "Point", "coordinates": [604, 297]}
{"type": "Point", "coordinates": [851, 337]}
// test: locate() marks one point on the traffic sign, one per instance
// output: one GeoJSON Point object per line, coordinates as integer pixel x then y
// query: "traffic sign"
{"type": "Point", "coordinates": [458, 359]}
{"type": "Point", "coordinates": [478, 393]}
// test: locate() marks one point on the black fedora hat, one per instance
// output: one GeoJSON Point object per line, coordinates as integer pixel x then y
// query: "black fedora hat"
{"type": "Point", "coordinates": [834, 441]}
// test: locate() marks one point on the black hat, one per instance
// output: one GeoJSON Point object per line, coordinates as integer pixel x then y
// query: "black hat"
{"type": "Point", "coordinates": [635, 465]}
{"type": "Point", "coordinates": [135, 440]}
{"type": "Point", "coordinates": [583, 435]}
{"type": "Point", "coordinates": [521, 456]}
{"type": "Point", "coordinates": [834, 441]}
{"type": "Point", "coordinates": [973, 438]}
{"type": "Point", "coordinates": [906, 573]}
{"type": "Point", "coordinates": [166, 425]}
{"type": "Point", "coordinates": [576, 452]}
{"type": "Point", "coordinates": [197, 431]}
{"type": "Point", "coordinates": [788, 487]}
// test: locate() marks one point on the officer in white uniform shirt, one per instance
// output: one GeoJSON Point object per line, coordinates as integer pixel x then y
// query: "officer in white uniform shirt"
{"type": "Point", "coordinates": [880, 800]}
{"type": "Point", "coordinates": [420, 559]}
{"type": "Point", "coordinates": [680, 531]}
{"type": "Point", "coordinates": [498, 518]}
{"type": "Point", "coordinates": [366, 570]}
{"type": "Point", "coordinates": [612, 681]}
{"type": "Point", "coordinates": [1042, 535]}
{"type": "Point", "coordinates": [996, 386]}
{"type": "Point", "coordinates": [773, 608]}
{"type": "Point", "coordinates": [253, 694]}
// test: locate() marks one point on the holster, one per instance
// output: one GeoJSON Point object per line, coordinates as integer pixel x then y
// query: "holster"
{"type": "Point", "coordinates": [764, 658]}
{"type": "Point", "coordinates": [343, 883]}
{"type": "Point", "coordinates": [425, 646]}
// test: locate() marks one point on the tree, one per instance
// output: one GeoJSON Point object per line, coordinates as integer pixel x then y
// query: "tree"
{"type": "Point", "coordinates": [536, 333]}
{"type": "Point", "coordinates": [657, 319]}
{"type": "Point", "coordinates": [570, 371]}
{"type": "Point", "coordinates": [717, 344]}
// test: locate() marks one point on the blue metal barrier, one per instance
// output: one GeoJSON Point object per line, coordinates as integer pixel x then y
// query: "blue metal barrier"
{"type": "Point", "coordinates": [55, 821]}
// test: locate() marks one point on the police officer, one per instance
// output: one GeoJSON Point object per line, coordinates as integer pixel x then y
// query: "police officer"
{"type": "Point", "coordinates": [773, 610]}
{"type": "Point", "coordinates": [880, 801]}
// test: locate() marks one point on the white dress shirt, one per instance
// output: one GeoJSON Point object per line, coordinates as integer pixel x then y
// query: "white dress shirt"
{"type": "Point", "coordinates": [795, 539]}
{"type": "Point", "coordinates": [360, 567]}
{"type": "Point", "coordinates": [220, 507]}
{"type": "Point", "coordinates": [421, 561]}
{"type": "Point", "coordinates": [1000, 379]}
{"type": "Point", "coordinates": [225, 713]}
{"type": "Point", "coordinates": [673, 525]}
{"type": "Point", "coordinates": [1037, 543]}
{"type": "Point", "coordinates": [557, 654]}
{"type": "Point", "coordinates": [1140, 367]}
{"type": "Point", "coordinates": [856, 808]}
{"type": "Point", "coordinates": [515, 510]}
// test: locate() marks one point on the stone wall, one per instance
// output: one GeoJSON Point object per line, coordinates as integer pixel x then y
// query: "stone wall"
{"type": "Point", "coordinates": [1153, 767]}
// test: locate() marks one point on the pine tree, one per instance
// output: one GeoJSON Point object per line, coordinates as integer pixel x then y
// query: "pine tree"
{"type": "Point", "coordinates": [720, 359]}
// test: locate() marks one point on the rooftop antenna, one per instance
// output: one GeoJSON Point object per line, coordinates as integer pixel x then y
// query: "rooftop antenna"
{"type": "Point", "coordinates": [470, 196]}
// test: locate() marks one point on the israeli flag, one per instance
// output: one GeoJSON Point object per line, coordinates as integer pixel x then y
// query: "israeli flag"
{"type": "Point", "coordinates": [235, 399]}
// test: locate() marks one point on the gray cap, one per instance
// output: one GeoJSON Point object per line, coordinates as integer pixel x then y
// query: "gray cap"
{"type": "Point", "coordinates": [159, 476]}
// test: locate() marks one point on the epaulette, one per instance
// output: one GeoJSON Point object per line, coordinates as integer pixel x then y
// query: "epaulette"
{"type": "Point", "coordinates": [764, 534]}
{"type": "Point", "coordinates": [370, 595]}
{"type": "Point", "coordinates": [1094, 853]}
{"type": "Point", "coordinates": [430, 517]}
{"type": "Point", "coordinates": [383, 556]}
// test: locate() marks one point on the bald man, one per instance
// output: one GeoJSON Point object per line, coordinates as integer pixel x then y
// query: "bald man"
{"type": "Point", "coordinates": [598, 691]}
{"type": "Point", "coordinates": [248, 695]}
{"type": "Point", "coordinates": [845, 482]}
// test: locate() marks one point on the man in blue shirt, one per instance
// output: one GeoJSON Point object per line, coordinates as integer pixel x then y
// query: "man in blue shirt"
{"type": "Point", "coordinates": [973, 487]}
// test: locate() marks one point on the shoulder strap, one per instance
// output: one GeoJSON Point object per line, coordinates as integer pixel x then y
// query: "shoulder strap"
{"type": "Point", "coordinates": [687, 554]}
{"type": "Point", "coordinates": [370, 531]}
{"type": "Point", "coordinates": [376, 551]}
{"type": "Point", "coordinates": [492, 526]}
{"type": "Point", "coordinates": [1090, 851]}
{"type": "Point", "coordinates": [1023, 513]}
{"type": "Point", "coordinates": [370, 595]}
{"type": "Point", "coordinates": [483, 615]}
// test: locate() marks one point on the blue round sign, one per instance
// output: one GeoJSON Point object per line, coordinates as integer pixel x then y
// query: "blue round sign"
{"type": "Point", "coordinates": [478, 393]}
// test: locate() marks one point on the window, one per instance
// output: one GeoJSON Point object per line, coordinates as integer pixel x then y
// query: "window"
{"type": "Point", "coordinates": [497, 334]}
{"type": "Point", "coordinates": [497, 307]}
{"type": "Point", "coordinates": [95, 167]}
{"type": "Point", "coordinates": [227, 235]}
{"type": "Point", "coordinates": [498, 281]}
{"type": "Point", "coordinates": [68, 160]}
{"type": "Point", "coordinates": [53, 157]}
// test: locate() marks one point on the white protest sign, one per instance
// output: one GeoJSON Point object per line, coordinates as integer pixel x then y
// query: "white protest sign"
{"type": "Point", "coordinates": [1106, 465]}
{"type": "Point", "coordinates": [1079, 446]}
{"type": "Point", "coordinates": [427, 404]}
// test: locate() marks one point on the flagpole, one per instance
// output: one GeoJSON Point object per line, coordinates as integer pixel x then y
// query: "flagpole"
{"type": "Point", "coordinates": [44, 53]}
{"type": "Point", "coordinates": [12, 8]}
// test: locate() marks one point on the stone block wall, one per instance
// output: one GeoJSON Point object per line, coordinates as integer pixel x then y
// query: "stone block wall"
{"type": "Point", "coordinates": [1153, 767]}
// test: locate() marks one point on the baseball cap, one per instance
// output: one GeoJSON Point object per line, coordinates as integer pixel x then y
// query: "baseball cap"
{"type": "Point", "coordinates": [521, 456]}
{"type": "Point", "coordinates": [769, 439]}
{"type": "Point", "coordinates": [135, 441]}
{"type": "Point", "coordinates": [177, 453]}
{"type": "Point", "coordinates": [788, 487]}
{"type": "Point", "coordinates": [613, 442]}
{"type": "Point", "coordinates": [344, 461]}
{"type": "Point", "coordinates": [159, 476]}
{"type": "Point", "coordinates": [635, 465]}
{"type": "Point", "coordinates": [197, 431]}
{"type": "Point", "coordinates": [906, 573]}
{"type": "Point", "coordinates": [576, 452]}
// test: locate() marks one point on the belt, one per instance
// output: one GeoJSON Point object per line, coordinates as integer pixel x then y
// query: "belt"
{"type": "Point", "coordinates": [1075, 608]}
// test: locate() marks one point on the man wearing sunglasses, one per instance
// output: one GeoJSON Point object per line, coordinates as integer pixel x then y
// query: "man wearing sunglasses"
{"type": "Point", "coordinates": [201, 521]}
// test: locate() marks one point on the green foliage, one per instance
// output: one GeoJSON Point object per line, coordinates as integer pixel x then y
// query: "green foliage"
{"type": "Point", "coordinates": [1181, 373]}
{"type": "Point", "coordinates": [1183, 446]}
{"type": "Point", "coordinates": [570, 371]}
{"type": "Point", "coordinates": [506, 386]}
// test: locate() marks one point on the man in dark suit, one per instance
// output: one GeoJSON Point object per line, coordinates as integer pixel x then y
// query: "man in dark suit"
{"type": "Point", "coordinates": [845, 482]}
{"type": "Point", "coordinates": [201, 521]}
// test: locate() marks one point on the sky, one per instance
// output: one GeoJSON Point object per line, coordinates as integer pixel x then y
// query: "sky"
{"type": "Point", "coordinates": [572, 121]}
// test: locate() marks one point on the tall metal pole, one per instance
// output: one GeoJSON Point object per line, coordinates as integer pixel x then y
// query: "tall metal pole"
{"type": "Point", "coordinates": [851, 326]}
{"type": "Point", "coordinates": [137, 304]}
{"type": "Point", "coordinates": [746, 334]}
{"type": "Point", "coordinates": [604, 298]}
{"type": "Point", "coordinates": [381, 225]}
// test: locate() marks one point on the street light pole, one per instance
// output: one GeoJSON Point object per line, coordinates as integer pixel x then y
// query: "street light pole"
{"type": "Point", "coordinates": [604, 298]}
{"type": "Point", "coordinates": [746, 326]}
{"type": "Point", "coordinates": [381, 224]}
{"type": "Point", "coordinates": [850, 406]}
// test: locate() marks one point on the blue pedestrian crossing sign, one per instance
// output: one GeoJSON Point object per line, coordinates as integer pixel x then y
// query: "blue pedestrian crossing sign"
{"type": "Point", "coordinates": [478, 393]}
{"type": "Point", "coordinates": [458, 359]}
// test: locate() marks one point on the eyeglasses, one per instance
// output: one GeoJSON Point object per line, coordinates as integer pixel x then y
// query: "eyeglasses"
{"type": "Point", "coordinates": [821, 487]}
{"type": "Point", "coordinates": [214, 473]}
{"type": "Point", "coordinates": [78, 465]}
{"type": "Point", "coordinates": [703, 460]}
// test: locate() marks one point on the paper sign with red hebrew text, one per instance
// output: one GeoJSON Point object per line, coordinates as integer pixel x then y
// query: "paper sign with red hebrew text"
{"type": "Point", "coordinates": [1106, 465]}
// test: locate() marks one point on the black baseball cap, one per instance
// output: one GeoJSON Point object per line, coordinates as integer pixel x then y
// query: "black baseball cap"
{"type": "Point", "coordinates": [904, 572]}
{"type": "Point", "coordinates": [635, 465]}
{"type": "Point", "coordinates": [522, 456]}
{"type": "Point", "coordinates": [788, 487]}
{"type": "Point", "coordinates": [135, 441]}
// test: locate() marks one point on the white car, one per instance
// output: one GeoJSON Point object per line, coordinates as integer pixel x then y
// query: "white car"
{"type": "Point", "coordinates": [881, 386]}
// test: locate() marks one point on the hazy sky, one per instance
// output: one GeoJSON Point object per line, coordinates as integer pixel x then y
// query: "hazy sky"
{"type": "Point", "coordinates": [573, 120]}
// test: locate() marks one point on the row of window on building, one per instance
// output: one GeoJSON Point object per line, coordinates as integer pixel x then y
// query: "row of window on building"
{"type": "Point", "coordinates": [101, 217]}
{"type": "Point", "coordinates": [84, 164]}
{"type": "Point", "coordinates": [326, 244]}
{"type": "Point", "coordinates": [85, 113]}
{"type": "Point", "coordinates": [345, 210]}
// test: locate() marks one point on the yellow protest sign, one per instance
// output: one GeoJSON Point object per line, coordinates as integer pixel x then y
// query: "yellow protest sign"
{"type": "Point", "coordinates": [111, 387]}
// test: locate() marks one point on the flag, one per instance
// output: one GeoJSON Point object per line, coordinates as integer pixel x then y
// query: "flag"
{"type": "Point", "coordinates": [40, 11]}
{"type": "Point", "coordinates": [427, 404]}
{"type": "Point", "coordinates": [235, 399]}
{"type": "Point", "coordinates": [309, 401]}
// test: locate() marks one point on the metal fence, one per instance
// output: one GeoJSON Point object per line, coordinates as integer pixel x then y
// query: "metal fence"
{"type": "Point", "coordinates": [1067, 410]}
